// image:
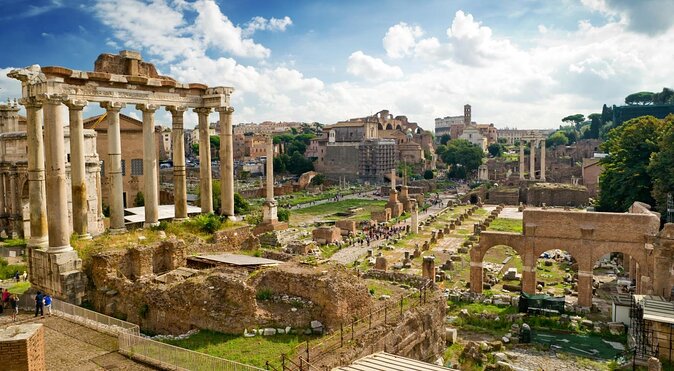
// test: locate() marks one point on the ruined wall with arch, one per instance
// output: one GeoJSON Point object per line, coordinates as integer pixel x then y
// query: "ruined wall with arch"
{"type": "Point", "coordinates": [586, 236]}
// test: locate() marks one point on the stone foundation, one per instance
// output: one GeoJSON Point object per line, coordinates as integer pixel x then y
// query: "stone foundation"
{"type": "Point", "coordinates": [58, 274]}
{"type": "Point", "coordinates": [324, 235]}
{"type": "Point", "coordinates": [22, 347]}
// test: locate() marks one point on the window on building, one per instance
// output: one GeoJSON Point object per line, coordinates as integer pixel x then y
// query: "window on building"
{"type": "Point", "coordinates": [102, 169]}
{"type": "Point", "coordinates": [123, 167]}
{"type": "Point", "coordinates": [136, 166]}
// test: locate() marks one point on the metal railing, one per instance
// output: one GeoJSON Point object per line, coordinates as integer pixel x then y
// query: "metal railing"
{"type": "Point", "coordinates": [170, 357]}
{"type": "Point", "coordinates": [390, 313]}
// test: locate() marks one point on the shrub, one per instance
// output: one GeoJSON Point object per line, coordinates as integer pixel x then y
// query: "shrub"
{"type": "Point", "coordinates": [139, 200]}
{"type": "Point", "coordinates": [7, 270]}
{"type": "Point", "coordinates": [207, 223]}
{"type": "Point", "coordinates": [283, 214]}
{"type": "Point", "coordinates": [241, 206]}
{"type": "Point", "coordinates": [263, 294]}
{"type": "Point", "coordinates": [428, 174]}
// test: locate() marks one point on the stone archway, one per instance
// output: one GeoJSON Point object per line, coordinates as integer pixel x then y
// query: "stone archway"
{"type": "Point", "coordinates": [389, 127]}
{"type": "Point", "coordinates": [562, 259]}
{"type": "Point", "coordinates": [490, 240]}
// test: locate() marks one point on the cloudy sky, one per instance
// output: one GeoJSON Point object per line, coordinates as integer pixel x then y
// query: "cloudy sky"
{"type": "Point", "coordinates": [519, 63]}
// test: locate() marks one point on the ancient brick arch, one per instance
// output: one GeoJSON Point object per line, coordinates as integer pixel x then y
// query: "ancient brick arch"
{"type": "Point", "coordinates": [586, 236]}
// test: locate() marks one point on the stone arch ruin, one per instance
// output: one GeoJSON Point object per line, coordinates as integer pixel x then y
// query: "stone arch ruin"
{"type": "Point", "coordinates": [587, 236]}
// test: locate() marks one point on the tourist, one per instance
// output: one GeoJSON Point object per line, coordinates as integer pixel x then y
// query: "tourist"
{"type": "Point", "coordinates": [16, 276]}
{"type": "Point", "coordinates": [14, 303]}
{"type": "Point", "coordinates": [5, 297]}
{"type": "Point", "coordinates": [47, 303]}
{"type": "Point", "coordinates": [25, 276]}
{"type": "Point", "coordinates": [39, 304]}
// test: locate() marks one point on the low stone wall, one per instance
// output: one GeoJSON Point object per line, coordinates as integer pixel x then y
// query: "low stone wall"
{"type": "Point", "coordinates": [419, 334]}
{"type": "Point", "coordinates": [235, 239]}
{"type": "Point", "coordinates": [411, 280]}
{"type": "Point", "coordinates": [558, 196]}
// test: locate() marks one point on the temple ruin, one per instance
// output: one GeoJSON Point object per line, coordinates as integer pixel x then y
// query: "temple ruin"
{"type": "Point", "coordinates": [117, 81]}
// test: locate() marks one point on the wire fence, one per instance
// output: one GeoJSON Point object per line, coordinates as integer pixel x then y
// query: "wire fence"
{"type": "Point", "coordinates": [170, 357]}
{"type": "Point", "coordinates": [309, 353]}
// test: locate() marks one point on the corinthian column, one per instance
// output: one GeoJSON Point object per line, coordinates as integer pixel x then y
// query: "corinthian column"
{"type": "Point", "coordinates": [270, 168]}
{"type": "Point", "coordinates": [57, 197]}
{"type": "Point", "coordinates": [521, 159]}
{"type": "Point", "coordinates": [37, 191]}
{"type": "Point", "coordinates": [150, 165]}
{"type": "Point", "coordinates": [227, 162]}
{"type": "Point", "coordinates": [532, 160]}
{"type": "Point", "coordinates": [77, 169]}
{"type": "Point", "coordinates": [179, 177]}
{"type": "Point", "coordinates": [115, 167]}
{"type": "Point", "coordinates": [205, 181]}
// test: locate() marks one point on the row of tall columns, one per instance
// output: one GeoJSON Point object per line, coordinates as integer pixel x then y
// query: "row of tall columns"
{"type": "Point", "coordinates": [78, 169]}
{"type": "Point", "coordinates": [227, 162]}
{"type": "Point", "coordinates": [532, 160]}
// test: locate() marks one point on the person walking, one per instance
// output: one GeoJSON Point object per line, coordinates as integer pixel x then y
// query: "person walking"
{"type": "Point", "coordinates": [14, 302]}
{"type": "Point", "coordinates": [39, 304]}
{"type": "Point", "coordinates": [47, 303]}
{"type": "Point", "coordinates": [25, 276]}
{"type": "Point", "coordinates": [5, 298]}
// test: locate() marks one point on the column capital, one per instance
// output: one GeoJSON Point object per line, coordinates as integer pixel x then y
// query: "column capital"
{"type": "Point", "coordinates": [202, 110]}
{"type": "Point", "coordinates": [76, 104]}
{"type": "Point", "coordinates": [113, 106]}
{"type": "Point", "coordinates": [147, 107]}
{"type": "Point", "coordinates": [30, 102]}
{"type": "Point", "coordinates": [54, 99]}
{"type": "Point", "coordinates": [176, 110]}
{"type": "Point", "coordinates": [226, 110]}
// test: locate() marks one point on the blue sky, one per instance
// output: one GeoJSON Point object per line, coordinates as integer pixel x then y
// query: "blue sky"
{"type": "Point", "coordinates": [518, 63]}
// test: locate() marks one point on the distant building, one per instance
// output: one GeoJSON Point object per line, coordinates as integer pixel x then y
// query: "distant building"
{"type": "Point", "coordinates": [367, 148]}
{"type": "Point", "coordinates": [250, 146]}
{"type": "Point", "coordinates": [456, 125]}
{"type": "Point", "coordinates": [449, 125]}
{"type": "Point", "coordinates": [266, 127]}
{"type": "Point", "coordinates": [166, 143]}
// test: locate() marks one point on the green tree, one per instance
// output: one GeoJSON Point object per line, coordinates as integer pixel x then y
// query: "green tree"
{"type": "Point", "coordinates": [557, 138]}
{"type": "Point", "coordinates": [625, 177]}
{"type": "Point", "coordinates": [661, 166]}
{"type": "Point", "coordinates": [139, 200]}
{"type": "Point", "coordinates": [195, 148]}
{"type": "Point", "coordinates": [595, 125]}
{"type": "Point", "coordinates": [283, 214]}
{"type": "Point", "coordinates": [241, 205]}
{"type": "Point", "coordinates": [463, 156]}
{"type": "Point", "coordinates": [641, 98]}
{"type": "Point", "coordinates": [495, 149]}
{"type": "Point", "coordinates": [428, 174]}
{"type": "Point", "coordinates": [318, 179]}
{"type": "Point", "coordinates": [576, 119]}
{"type": "Point", "coordinates": [666, 96]}
{"type": "Point", "coordinates": [445, 138]}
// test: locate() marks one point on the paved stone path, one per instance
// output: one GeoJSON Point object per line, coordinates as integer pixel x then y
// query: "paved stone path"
{"type": "Point", "coordinates": [525, 359]}
{"type": "Point", "coordinates": [69, 346]}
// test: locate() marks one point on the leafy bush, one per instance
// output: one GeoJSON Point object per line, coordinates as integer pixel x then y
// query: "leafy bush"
{"type": "Point", "coordinates": [207, 223]}
{"type": "Point", "coordinates": [139, 200]}
{"type": "Point", "coordinates": [263, 294]}
{"type": "Point", "coordinates": [7, 270]}
{"type": "Point", "coordinates": [428, 174]}
{"type": "Point", "coordinates": [283, 214]}
{"type": "Point", "coordinates": [241, 206]}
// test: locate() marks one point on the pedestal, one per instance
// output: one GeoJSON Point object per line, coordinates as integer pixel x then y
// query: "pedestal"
{"type": "Point", "coordinates": [58, 274]}
{"type": "Point", "coordinates": [269, 212]}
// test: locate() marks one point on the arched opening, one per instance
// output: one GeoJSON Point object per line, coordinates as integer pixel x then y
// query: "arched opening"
{"type": "Point", "coordinates": [556, 273]}
{"type": "Point", "coordinates": [418, 130]}
{"type": "Point", "coordinates": [380, 127]}
{"type": "Point", "coordinates": [389, 127]}
{"type": "Point", "coordinates": [473, 199]}
{"type": "Point", "coordinates": [502, 268]}
{"type": "Point", "coordinates": [613, 274]}
{"type": "Point", "coordinates": [398, 127]}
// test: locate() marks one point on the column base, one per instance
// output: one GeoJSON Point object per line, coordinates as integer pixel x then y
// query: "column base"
{"type": "Point", "coordinates": [38, 242]}
{"type": "Point", "coordinates": [542, 179]}
{"type": "Point", "coordinates": [59, 274]}
{"type": "Point", "coordinates": [117, 230]}
{"type": "Point", "coordinates": [85, 236]}
{"type": "Point", "coordinates": [180, 220]}
{"type": "Point", "coordinates": [59, 249]}
{"type": "Point", "coordinates": [150, 224]}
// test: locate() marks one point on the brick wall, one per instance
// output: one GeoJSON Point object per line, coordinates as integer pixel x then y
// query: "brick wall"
{"type": "Point", "coordinates": [22, 347]}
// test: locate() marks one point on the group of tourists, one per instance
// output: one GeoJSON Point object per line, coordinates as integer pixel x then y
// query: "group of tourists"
{"type": "Point", "coordinates": [9, 301]}
{"type": "Point", "coordinates": [19, 277]}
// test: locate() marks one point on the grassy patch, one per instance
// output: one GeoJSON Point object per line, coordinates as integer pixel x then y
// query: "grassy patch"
{"type": "Point", "coordinates": [506, 225]}
{"type": "Point", "coordinates": [7, 270]}
{"type": "Point", "coordinates": [19, 288]}
{"type": "Point", "coordinates": [253, 351]}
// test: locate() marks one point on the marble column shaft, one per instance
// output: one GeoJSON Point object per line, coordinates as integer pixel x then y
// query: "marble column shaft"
{"type": "Point", "coordinates": [150, 170]}
{"type": "Point", "coordinates": [270, 168]}
{"type": "Point", "coordinates": [114, 166]}
{"type": "Point", "coordinates": [227, 162]}
{"type": "Point", "coordinates": [522, 159]}
{"type": "Point", "coordinates": [179, 175]}
{"type": "Point", "coordinates": [57, 196]}
{"type": "Point", "coordinates": [78, 169]}
{"type": "Point", "coordinates": [543, 160]}
{"type": "Point", "coordinates": [205, 175]}
{"type": "Point", "coordinates": [2, 202]}
{"type": "Point", "coordinates": [37, 188]}
{"type": "Point", "coordinates": [532, 160]}
{"type": "Point", "coordinates": [16, 215]}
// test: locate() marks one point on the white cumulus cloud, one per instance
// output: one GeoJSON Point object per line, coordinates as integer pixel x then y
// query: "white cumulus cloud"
{"type": "Point", "coordinates": [400, 39]}
{"type": "Point", "coordinates": [271, 24]}
{"type": "Point", "coordinates": [371, 68]}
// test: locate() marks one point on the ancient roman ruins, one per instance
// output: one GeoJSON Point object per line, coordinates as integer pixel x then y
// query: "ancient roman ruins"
{"type": "Point", "coordinates": [117, 81]}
